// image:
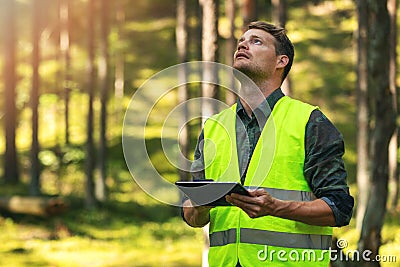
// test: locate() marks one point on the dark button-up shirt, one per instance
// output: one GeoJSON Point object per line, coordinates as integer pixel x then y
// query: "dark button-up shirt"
{"type": "Point", "coordinates": [323, 165]}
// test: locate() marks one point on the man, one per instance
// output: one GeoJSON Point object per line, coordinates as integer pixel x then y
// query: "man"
{"type": "Point", "coordinates": [301, 191]}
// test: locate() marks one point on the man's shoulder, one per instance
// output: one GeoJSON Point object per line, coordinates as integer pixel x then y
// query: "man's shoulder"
{"type": "Point", "coordinates": [297, 104]}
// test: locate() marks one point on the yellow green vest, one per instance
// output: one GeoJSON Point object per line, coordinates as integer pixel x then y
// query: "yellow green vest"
{"type": "Point", "coordinates": [277, 166]}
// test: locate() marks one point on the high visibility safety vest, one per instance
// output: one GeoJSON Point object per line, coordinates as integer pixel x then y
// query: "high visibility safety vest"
{"type": "Point", "coordinates": [276, 166]}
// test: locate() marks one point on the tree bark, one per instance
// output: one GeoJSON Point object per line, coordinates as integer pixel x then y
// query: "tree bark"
{"type": "Point", "coordinates": [279, 12]}
{"type": "Point", "coordinates": [34, 188]}
{"type": "Point", "coordinates": [183, 94]}
{"type": "Point", "coordinates": [11, 173]}
{"type": "Point", "coordinates": [393, 170]}
{"type": "Point", "coordinates": [101, 186]}
{"type": "Point", "coordinates": [209, 89]}
{"type": "Point", "coordinates": [209, 54]}
{"type": "Point", "coordinates": [39, 206]}
{"type": "Point", "coordinates": [384, 118]}
{"type": "Point", "coordinates": [90, 200]}
{"type": "Point", "coordinates": [249, 14]}
{"type": "Point", "coordinates": [230, 8]}
{"type": "Point", "coordinates": [119, 61]}
{"type": "Point", "coordinates": [279, 17]}
{"type": "Point", "coordinates": [65, 51]}
{"type": "Point", "coordinates": [363, 113]}
{"type": "Point", "coordinates": [198, 30]}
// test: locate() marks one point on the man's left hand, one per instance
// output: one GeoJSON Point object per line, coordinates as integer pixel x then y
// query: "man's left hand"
{"type": "Point", "coordinates": [259, 203]}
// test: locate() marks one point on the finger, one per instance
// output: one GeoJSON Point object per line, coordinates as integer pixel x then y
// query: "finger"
{"type": "Point", "coordinates": [187, 203]}
{"type": "Point", "coordinates": [246, 206]}
{"type": "Point", "coordinates": [229, 199]}
{"type": "Point", "coordinates": [246, 199]}
{"type": "Point", "coordinates": [234, 201]}
{"type": "Point", "coordinates": [251, 210]}
{"type": "Point", "coordinates": [258, 192]}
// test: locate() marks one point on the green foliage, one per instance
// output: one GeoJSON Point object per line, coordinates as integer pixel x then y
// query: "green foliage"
{"type": "Point", "coordinates": [323, 71]}
{"type": "Point", "coordinates": [133, 230]}
{"type": "Point", "coordinates": [111, 236]}
{"type": "Point", "coordinates": [49, 159]}
{"type": "Point", "coordinates": [73, 155]}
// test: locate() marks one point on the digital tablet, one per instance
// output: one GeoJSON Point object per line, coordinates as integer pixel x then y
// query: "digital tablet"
{"type": "Point", "coordinates": [210, 193]}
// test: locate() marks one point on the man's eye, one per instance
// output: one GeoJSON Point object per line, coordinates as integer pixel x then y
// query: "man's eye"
{"type": "Point", "coordinates": [257, 41]}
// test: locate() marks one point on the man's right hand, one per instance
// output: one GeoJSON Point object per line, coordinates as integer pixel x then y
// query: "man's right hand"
{"type": "Point", "coordinates": [196, 216]}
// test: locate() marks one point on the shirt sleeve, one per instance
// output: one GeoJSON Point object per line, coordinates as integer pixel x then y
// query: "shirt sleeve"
{"type": "Point", "coordinates": [197, 167]}
{"type": "Point", "coordinates": [324, 167]}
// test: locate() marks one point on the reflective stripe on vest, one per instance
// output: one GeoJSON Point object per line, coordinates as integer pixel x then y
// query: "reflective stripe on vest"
{"type": "Point", "coordinates": [223, 238]}
{"type": "Point", "coordinates": [283, 194]}
{"type": "Point", "coordinates": [263, 237]}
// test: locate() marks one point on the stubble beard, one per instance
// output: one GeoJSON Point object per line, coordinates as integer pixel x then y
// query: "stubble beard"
{"type": "Point", "coordinates": [247, 88]}
{"type": "Point", "coordinates": [255, 73]}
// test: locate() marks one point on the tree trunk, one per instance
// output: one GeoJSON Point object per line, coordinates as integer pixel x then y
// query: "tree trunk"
{"type": "Point", "coordinates": [34, 188]}
{"type": "Point", "coordinates": [39, 206]}
{"type": "Point", "coordinates": [363, 116]}
{"type": "Point", "coordinates": [209, 89]}
{"type": "Point", "coordinates": [384, 117]}
{"type": "Point", "coordinates": [393, 170]}
{"type": "Point", "coordinates": [230, 49]}
{"type": "Point", "coordinates": [248, 10]}
{"type": "Point", "coordinates": [101, 187]}
{"type": "Point", "coordinates": [11, 174]}
{"type": "Point", "coordinates": [90, 200]}
{"type": "Point", "coordinates": [198, 30]}
{"type": "Point", "coordinates": [183, 95]}
{"type": "Point", "coordinates": [65, 50]}
{"type": "Point", "coordinates": [209, 54]}
{"type": "Point", "coordinates": [279, 17]}
{"type": "Point", "coordinates": [279, 12]}
{"type": "Point", "coordinates": [119, 62]}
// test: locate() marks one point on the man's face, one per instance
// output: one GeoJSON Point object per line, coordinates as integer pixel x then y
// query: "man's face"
{"type": "Point", "coordinates": [255, 54]}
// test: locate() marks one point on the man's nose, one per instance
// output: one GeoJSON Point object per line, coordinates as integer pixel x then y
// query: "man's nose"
{"type": "Point", "coordinates": [243, 45]}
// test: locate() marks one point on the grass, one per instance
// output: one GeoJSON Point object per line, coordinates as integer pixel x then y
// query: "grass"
{"type": "Point", "coordinates": [115, 234]}
{"type": "Point", "coordinates": [137, 231]}
{"type": "Point", "coordinates": [168, 243]}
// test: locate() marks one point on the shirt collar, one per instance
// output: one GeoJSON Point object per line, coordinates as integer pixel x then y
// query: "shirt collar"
{"type": "Point", "coordinates": [267, 105]}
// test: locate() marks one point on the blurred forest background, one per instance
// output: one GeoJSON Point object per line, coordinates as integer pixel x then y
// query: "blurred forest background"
{"type": "Point", "coordinates": [70, 68]}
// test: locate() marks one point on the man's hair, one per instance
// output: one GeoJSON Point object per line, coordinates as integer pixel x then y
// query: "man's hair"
{"type": "Point", "coordinates": [283, 46]}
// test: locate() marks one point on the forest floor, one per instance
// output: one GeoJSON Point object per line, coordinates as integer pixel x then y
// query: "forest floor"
{"type": "Point", "coordinates": [115, 234]}
{"type": "Point", "coordinates": [140, 232]}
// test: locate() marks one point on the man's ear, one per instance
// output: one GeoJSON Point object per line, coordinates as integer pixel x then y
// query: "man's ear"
{"type": "Point", "coordinates": [283, 60]}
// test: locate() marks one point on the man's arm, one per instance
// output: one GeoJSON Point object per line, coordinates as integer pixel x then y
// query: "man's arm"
{"type": "Point", "coordinates": [260, 203]}
{"type": "Point", "coordinates": [324, 167]}
{"type": "Point", "coordinates": [196, 216]}
{"type": "Point", "coordinates": [325, 174]}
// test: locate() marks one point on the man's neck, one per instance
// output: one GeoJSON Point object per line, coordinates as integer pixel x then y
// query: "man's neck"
{"type": "Point", "coordinates": [251, 97]}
